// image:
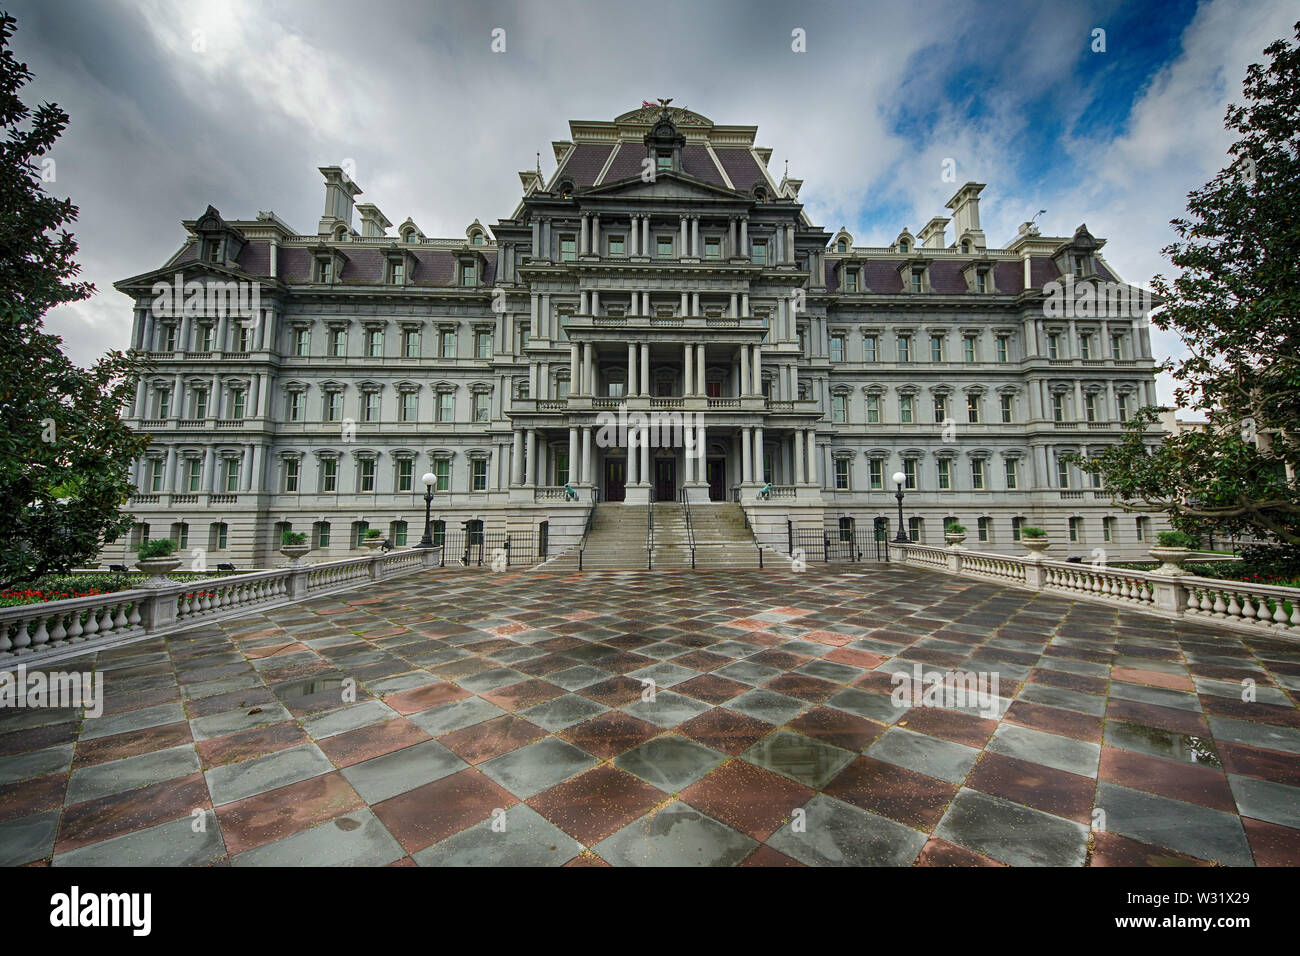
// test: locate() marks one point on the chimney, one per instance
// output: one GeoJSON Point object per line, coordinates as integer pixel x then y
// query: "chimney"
{"type": "Point", "coordinates": [965, 206]}
{"type": "Point", "coordinates": [932, 235]}
{"type": "Point", "coordinates": [339, 193]}
{"type": "Point", "coordinates": [373, 222]}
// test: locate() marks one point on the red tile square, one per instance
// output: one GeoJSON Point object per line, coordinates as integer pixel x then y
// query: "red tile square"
{"type": "Point", "coordinates": [374, 741]}
{"type": "Point", "coordinates": [595, 804]}
{"type": "Point", "coordinates": [911, 798]}
{"type": "Point", "coordinates": [435, 811]}
{"type": "Point", "coordinates": [1044, 788]}
{"type": "Point", "coordinates": [610, 734]}
{"type": "Point", "coordinates": [247, 744]}
{"type": "Point", "coordinates": [1176, 779]}
{"type": "Point", "coordinates": [423, 698]}
{"type": "Point", "coordinates": [491, 738]}
{"type": "Point", "coordinates": [270, 816]}
{"type": "Point", "coordinates": [748, 798]}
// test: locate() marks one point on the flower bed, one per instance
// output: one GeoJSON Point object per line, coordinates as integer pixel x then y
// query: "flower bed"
{"type": "Point", "coordinates": [1223, 570]}
{"type": "Point", "coordinates": [59, 587]}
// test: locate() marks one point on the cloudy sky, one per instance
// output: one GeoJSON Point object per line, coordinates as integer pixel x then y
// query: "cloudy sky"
{"type": "Point", "coordinates": [175, 105]}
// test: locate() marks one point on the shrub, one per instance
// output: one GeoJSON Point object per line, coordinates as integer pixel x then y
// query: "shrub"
{"type": "Point", "coordinates": [955, 529]}
{"type": "Point", "coordinates": [158, 548]}
{"type": "Point", "coordinates": [1032, 532]}
{"type": "Point", "coordinates": [288, 538]}
{"type": "Point", "coordinates": [1175, 539]}
{"type": "Point", "coordinates": [373, 532]}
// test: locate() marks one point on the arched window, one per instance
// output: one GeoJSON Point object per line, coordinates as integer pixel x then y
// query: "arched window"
{"type": "Point", "coordinates": [965, 246]}
{"type": "Point", "coordinates": [846, 529]}
{"type": "Point", "coordinates": [842, 246]}
{"type": "Point", "coordinates": [902, 245]}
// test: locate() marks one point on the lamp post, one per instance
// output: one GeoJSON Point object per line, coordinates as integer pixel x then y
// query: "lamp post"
{"type": "Point", "coordinates": [427, 540]}
{"type": "Point", "coordinates": [899, 478]}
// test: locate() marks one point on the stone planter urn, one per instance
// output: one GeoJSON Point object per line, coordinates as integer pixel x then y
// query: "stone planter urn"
{"type": "Point", "coordinates": [954, 538]}
{"type": "Point", "coordinates": [372, 543]}
{"type": "Point", "coordinates": [1171, 559]}
{"type": "Point", "coordinates": [295, 553]}
{"type": "Point", "coordinates": [157, 569]}
{"type": "Point", "coordinates": [1036, 546]}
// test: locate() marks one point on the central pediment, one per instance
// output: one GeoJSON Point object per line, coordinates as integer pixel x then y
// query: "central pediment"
{"type": "Point", "coordinates": [666, 185]}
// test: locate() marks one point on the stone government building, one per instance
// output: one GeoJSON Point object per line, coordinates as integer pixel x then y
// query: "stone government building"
{"type": "Point", "coordinates": [662, 268]}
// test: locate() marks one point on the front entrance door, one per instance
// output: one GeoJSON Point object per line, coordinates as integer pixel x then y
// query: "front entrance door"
{"type": "Point", "coordinates": [665, 479]}
{"type": "Point", "coordinates": [717, 471]}
{"type": "Point", "coordinates": [615, 479]}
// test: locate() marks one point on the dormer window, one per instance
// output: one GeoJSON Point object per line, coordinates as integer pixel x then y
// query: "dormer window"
{"type": "Point", "coordinates": [477, 238]}
{"type": "Point", "coordinates": [851, 280]}
{"type": "Point", "coordinates": [341, 234]}
{"type": "Point", "coordinates": [902, 245]}
{"type": "Point", "coordinates": [324, 271]}
{"type": "Point", "coordinates": [981, 281]}
{"type": "Point", "coordinates": [842, 246]}
{"type": "Point", "coordinates": [214, 251]}
{"type": "Point", "coordinates": [411, 236]}
{"type": "Point", "coordinates": [469, 274]}
{"type": "Point", "coordinates": [398, 276]}
{"type": "Point", "coordinates": [568, 249]}
{"type": "Point", "coordinates": [965, 247]}
{"type": "Point", "coordinates": [918, 278]}
{"type": "Point", "coordinates": [1080, 266]}
{"type": "Point", "coordinates": [663, 161]}
{"type": "Point", "coordinates": [760, 195]}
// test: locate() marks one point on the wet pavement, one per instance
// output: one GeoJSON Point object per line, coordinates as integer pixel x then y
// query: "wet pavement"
{"type": "Point", "coordinates": [669, 718]}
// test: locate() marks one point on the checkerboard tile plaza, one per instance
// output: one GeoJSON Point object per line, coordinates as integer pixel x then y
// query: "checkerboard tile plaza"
{"type": "Point", "coordinates": [466, 718]}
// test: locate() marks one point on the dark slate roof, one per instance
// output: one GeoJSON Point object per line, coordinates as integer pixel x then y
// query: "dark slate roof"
{"type": "Point", "coordinates": [742, 169]}
{"type": "Point", "coordinates": [1042, 270]}
{"type": "Point", "coordinates": [255, 258]}
{"type": "Point", "coordinates": [697, 162]}
{"type": "Point", "coordinates": [1009, 277]}
{"type": "Point", "coordinates": [294, 263]}
{"type": "Point", "coordinates": [881, 275]}
{"type": "Point", "coordinates": [585, 162]}
{"type": "Point", "coordinates": [188, 254]}
{"type": "Point", "coordinates": [946, 277]}
{"type": "Point", "coordinates": [626, 163]}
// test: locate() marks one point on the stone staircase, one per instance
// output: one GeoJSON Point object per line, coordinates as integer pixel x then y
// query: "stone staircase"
{"type": "Point", "coordinates": [617, 539]}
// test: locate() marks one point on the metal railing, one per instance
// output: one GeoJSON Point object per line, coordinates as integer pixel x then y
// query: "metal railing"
{"type": "Point", "coordinates": [650, 536]}
{"type": "Point", "coordinates": [690, 528]}
{"type": "Point", "coordinates": [844, 547]}
{"type": "Point", "coordinates": [498, 549]}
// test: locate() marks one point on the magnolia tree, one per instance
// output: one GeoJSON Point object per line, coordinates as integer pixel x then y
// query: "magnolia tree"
{"type": "Point", "coordinates": [65, 453]}
{"type": "Point", "coordinates": [1235, 303]}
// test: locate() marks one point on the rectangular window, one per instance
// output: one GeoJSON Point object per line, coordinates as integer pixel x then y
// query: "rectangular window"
{"type": "Point", "coordinates": [914, 529]}
{"type": "Point", "coordinates": [905, 348]}
{"type": "Point", "coordinates": [869, 348]}
{"type": "Point", "coordinates": [841, 474]}
{"type": "Point", "coordinates": [981, 281]}
{"type": "Point", "coordinates": [156, 474]}
{"type": "Point", "coordinates": [873, 409]}
{"type": "Point", "coordinates": [663, 161]}
{"type": "Point", "coordinates": [301, 342]}
{"type": "Point", "coordinates": [359, 529]}
{"type": "Point", "coordinates": [291, 475]}
{"type": "Point", "coordinates": [616, 246]}
{"type": "Point", "coordinates": [1062, 474]}
{"type": "Point", "coordinates": [399, 274]}
{"type": "Point", "coordinates": [367, 474]}
{"type": "Point", "coordinates": [322, 534]}
{"type": "Point", "coordinates": [405, 474]}
{"type": "Point", "coordinates": [851, 280]}
{"type": "Point", "coordinates": [943, 471]}
{"type": "Point", "coordinates": [973, 409]}
{"type": "Point", "coordinates": [442, 474]}
{"type": "Point", "coordinates": [905, 409]}
{"type": "Point", "coordinates": [232, 474]}
{"type": "Point", "coordinates": [876, 473]}
{"type": "Point", "coordinates": [1058, 408]}
{"type": "Point", "coordinates": [446, 406]}
{"type": "Point", "coordinates": [1053, 345]}
{"type": "Point", "coordinates": [909, 474]}
{"type": "Point", "coordinates": [295, 406]}
{"type": "Point", "coordinates": [483, 343]}
{"type": "Point", "coordinates": [469, 274]}
{"type": "Point", "coordinates": [169, 339]}
{"type": "Point", "coordinates": [977, 474]}
{"type": "Point", "coordinates": [1010, 469]}
{"type": "Point", "coordinates": [1008, 408]}
{"type": "Point", "coordinates": [760, 253]}
{"type": "Point", "coordinates": [200, 403]}
{"type": "Point", "coordinates": [237, 405]}
{"type": "Point", "coordinates": [1085, 346]}
{"type": "Point", "coordinates": [712, 249]}
{"type": "Point", "coordinates": [409, 409]}
{"type": "Point", "coordinates": [478, 473]}
{"type": "Point", "coordinates": [324, 270]}
{"type": "Point", "coordinates": [568, 249]}
{"type": "Point", "coordinates": [220, 536]}
{"type": "Point", "coordinates": [940, 409]}
{"type": "Point", "coordinates": [525, 336]}
{"type": "Point", "coordinates": [375, 343]}
{"type": "Point", "coordinates": [410, 344]}
{"type": "Point", "coordinates": [1016, 525]}
{"type": "Point", "coordinates": [968, 344]}
{"type": "Point", "coordinates": [338, 342]}
{"type": "Point", "coordinates": [664, 247]}
{"type": "Point", "coordinates": [182, 535]}
{"type": "Point", "coordinates": [1108, 529]}
{"type": "Point", "coordinates": [206, 336]}
{"type": "Point", "coordinates": [398, 533]}
{"type": "Point", "coordinates": [837, 348]}
{"type": "Point", "coordinates": [333, 406]}
{"type": "Point", "coordinates": [194, 472]}
{"type": "Point", "coordinates": [370, 406]}
{"type": "Point", "coordinates": [164, 402]}
{"type": "Point", "coordinates": [481, 412]}
{"type": "Point", "coordinates": [839, 408]}
{"type": "Point", "coordinates": [1076, 529]}
{"type": "Point", "coordinates": [1122, 401]}
{"type": "Point", "coordinates": [917, 280]}
{"type": "Point", "coordinates": [1090, 407]}
{"type": "Point", "coordinates": [984, 527]}
{"type": "Point", "coordinates": [1140, 526]}
{"type": "Point", "coordinates": [1117, 346]}
{"type": "Point", "coordinates": [1003, 350]}
{"type": "Point", "coordinates": [936, 348]}
{"type": "Point", "coordinates": [329, 475]}
{"type": "Point", "coordinates": [448, 343]}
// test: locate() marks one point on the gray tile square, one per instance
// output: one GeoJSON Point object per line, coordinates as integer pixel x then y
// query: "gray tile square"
{"type": "Point", "coordinates": [560, 712]}
{"type": "Point", "coordinates": [386, 776]}
{"type": "Point", "coordinates": [114, 776]}
{"type": "Point", "coordinates": [813, 763]}
{"type": "Point", "coordinates": [527, 839]}
{"type": "Point", "coordinates": [354, 839]}
{"type": "Point", "coordinates": [239, 780]}
{"type": "Point", "coordinates": [1188, 828]}
{"type": "Point", "coordinates": [833, 833]}
{"type": "Point", "coordinates": [1011, 833]}
{"type": "Point", "coordinates": [539, 766]}
{"type": "Point", "coordinates": [676, 835]}
{"type": "Point", "coordinates": [1051, 750]}
{"type": "Point", "coordinates": [932, 756]}
{"type": "Point", "coordinates": [668, 709]}
{"type": "Point", "coordinates": [670, 763]}
{"type": "Point", "coordinates": [768, 705]}
{"type": "Point", "coordinates": [456, 715]}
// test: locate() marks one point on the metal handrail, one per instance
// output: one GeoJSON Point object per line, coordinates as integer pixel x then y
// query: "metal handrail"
{"type": "Point", "coordinates": [690, 527]}
{"type": "Point", "coordinates": [650, 536]}
{"type": "Point", "coordinates": [586, 530]}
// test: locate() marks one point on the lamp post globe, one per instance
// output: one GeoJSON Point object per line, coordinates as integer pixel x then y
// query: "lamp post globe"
{"type": "Point", "coordinates": [428, 479]}
{"type": "Point", "coordinates": [899, 478]}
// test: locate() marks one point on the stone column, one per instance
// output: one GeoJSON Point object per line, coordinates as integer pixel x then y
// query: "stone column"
{"type": "Point", "coordinates": [631, 369]}
{"type": "Point", "coordinates": [584, 303]}
{"type": "Point", "coordinates": [586, 455]}
{"type": "Point", "coordinates": [530, 474]}
{"type": "Point", "coordinates": [758, 455]}
{"type": "Point", "coordinates": [735, 306]}
{"type": "Point", "coordinates": [688, 371]}
{"type": "Point", "coordinates": [695, 304]}
{"type": "Point", "coordinates": [645, 236]}
{"type": "Point", "coordinates": [686, 304]}
{"type": "Point", "coordinates": [575, 369]}
{"type": "Point", "coordinates": [758, 369]}
{"type": "Point", "coordinates": [582, 236]}
{"type": "Point", "coordinates": [695, 237]}
{"type": "Point", "coordinates": [799, 457]}
{"type": "Point", "coordinates": [732, 248]}
{"type": "Point", "coordinates": [794, 381]}
{"type": "Point", "coordinates": [645, 368]}
{"type": "Point", "coordinates": [209, 470]}
{"type": "Point", "coordinates": [701, 452]}
{"type": "Point", "coordinates": [745, 365]}
{"type": "Point", "coordinates": [746, 454]}
{"type": "Point", "coordinates": [169, 471]}
{"type": "Point", "coordinates": [593, 241]}
{"type": "Point", "coordinates": [633, 456]}
{"type": "Point", "coordinates": [645, 457]}
{"type": "Point", "coordinates": [812, 457]}
{"type": "Point", "coordinates": [744, 303]}
{"type": "Point", "coordinates": [573, 455]}
{"type": "Point", "coordinates": [517, 458]}
{"type": "Point", "coordinates": [684, 251]}
{"type": "Point", "coordinates": [700, 383]}
{"type": "Point", "coordinates": [588, 368]}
